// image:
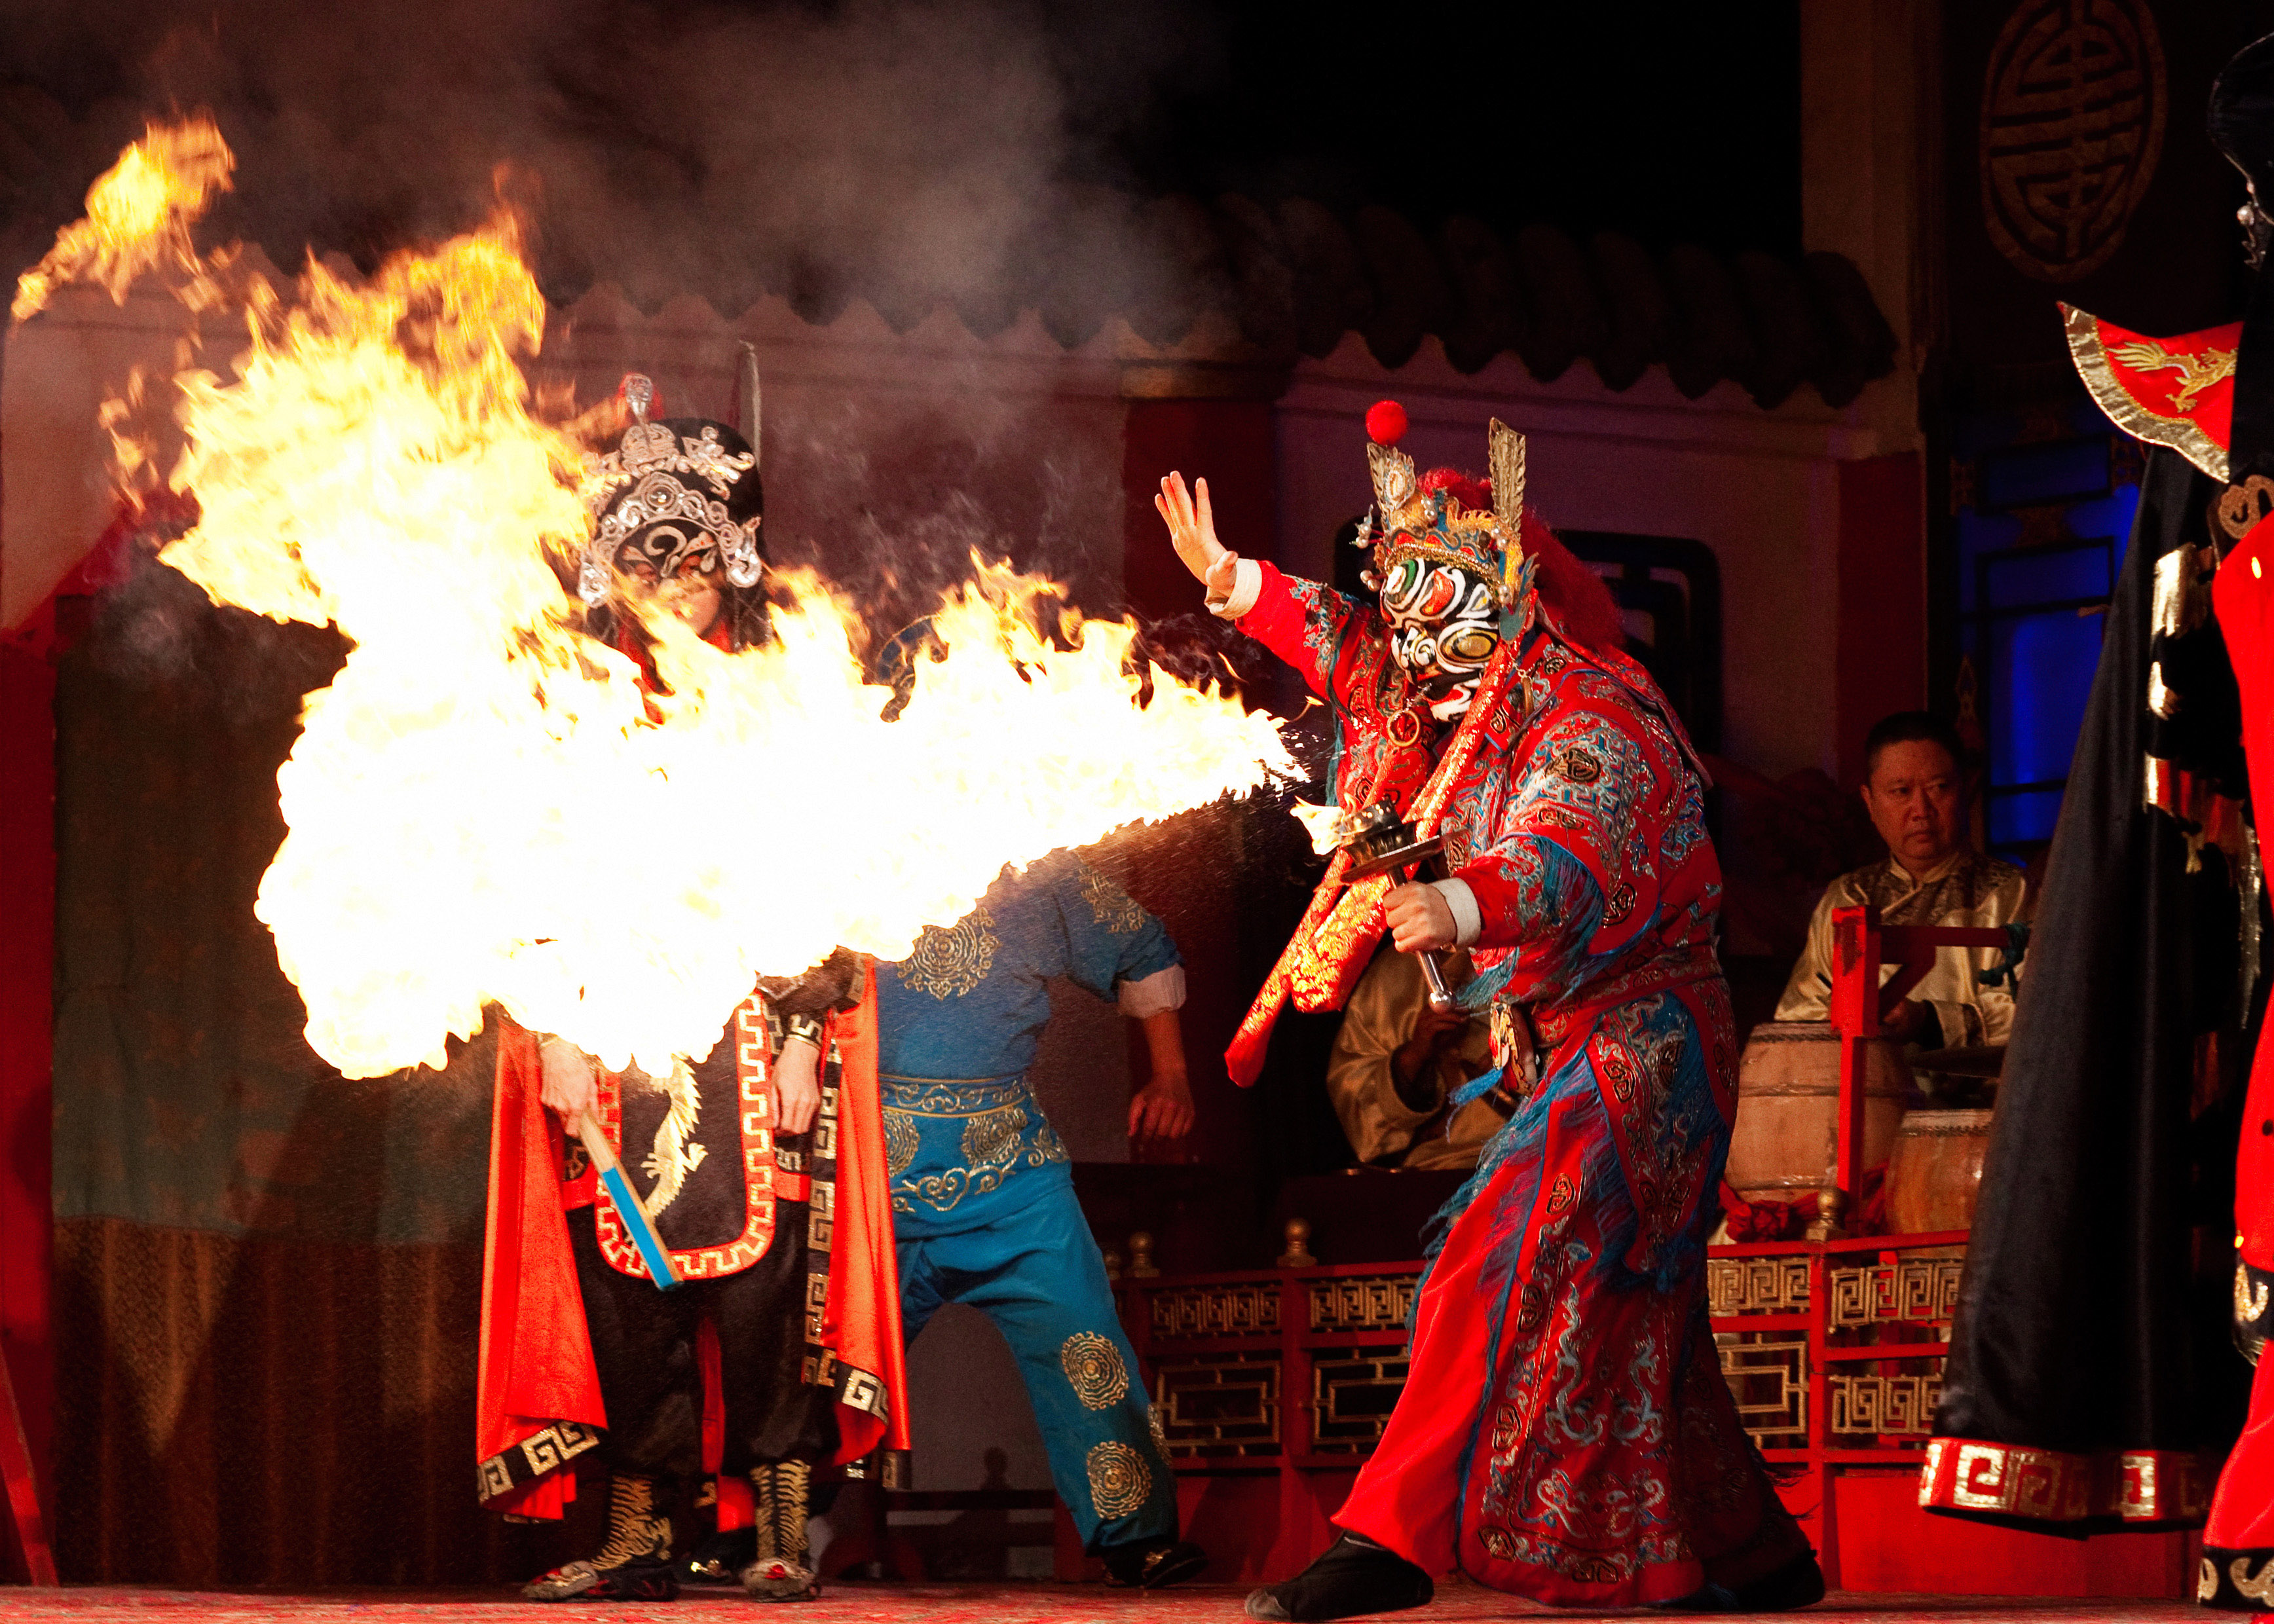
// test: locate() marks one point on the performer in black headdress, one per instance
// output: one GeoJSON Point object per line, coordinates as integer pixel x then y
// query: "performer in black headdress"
{"type": "Point", "coordinates": [759, 1163]}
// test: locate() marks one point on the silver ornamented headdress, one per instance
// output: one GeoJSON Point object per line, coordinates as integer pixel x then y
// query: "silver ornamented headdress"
{"type": "Point", "coordinates": [676, 482]}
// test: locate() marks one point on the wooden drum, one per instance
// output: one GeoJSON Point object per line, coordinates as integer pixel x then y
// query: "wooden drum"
{"type": "Point", "coordinates": [1935, 1176]}
{"type": "Point", "coordinates": [1786, 1140]}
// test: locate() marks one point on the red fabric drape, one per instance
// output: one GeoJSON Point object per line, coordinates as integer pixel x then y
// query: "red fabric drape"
{"type": "Point", "coordinates": [535, 1368]}
{"type": "Point", "coordinates": [862, 1321]}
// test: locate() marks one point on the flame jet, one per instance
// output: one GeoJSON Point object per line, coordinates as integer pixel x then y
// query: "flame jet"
{"type": "Point", "coordinates": [487, 806]}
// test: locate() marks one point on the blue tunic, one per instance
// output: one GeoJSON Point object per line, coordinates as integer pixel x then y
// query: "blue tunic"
{"type": "Point", "coordinates": [958, 1023]}
{"type": "Point", "coordinates": [984, 1205]}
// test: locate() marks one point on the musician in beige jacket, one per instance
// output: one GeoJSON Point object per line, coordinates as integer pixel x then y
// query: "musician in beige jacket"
{"type": "Point", "coordinates": [1397, 1061]}
{"type": "Point", "coordinates": [1915, 793]}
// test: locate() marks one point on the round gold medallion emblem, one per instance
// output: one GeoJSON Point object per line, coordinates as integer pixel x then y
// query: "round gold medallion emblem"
{"type": "Point", "coordinates": [1095, 1368]}
{"type": "Point", "coordinates": [1120, 1483]}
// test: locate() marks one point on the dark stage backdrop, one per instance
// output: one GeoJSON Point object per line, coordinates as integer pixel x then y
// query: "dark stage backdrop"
{"type": "Point", "coordinates": [267, 1278]}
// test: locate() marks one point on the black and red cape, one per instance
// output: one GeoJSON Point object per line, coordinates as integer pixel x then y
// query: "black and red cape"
{"type": "Point", "coordinates": [537, 1393]}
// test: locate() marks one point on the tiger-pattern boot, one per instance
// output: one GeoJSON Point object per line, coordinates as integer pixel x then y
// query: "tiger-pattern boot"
{"type": "Point", "coordinates": [783, 1569]}
{"type": "Point", "coordinates": [632, 1564]}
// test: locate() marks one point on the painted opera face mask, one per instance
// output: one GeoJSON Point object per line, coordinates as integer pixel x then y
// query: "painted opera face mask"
{"type": "Point", "coordinates": [1444, 624]}
{"type": "Point", "coordinates": [676, 569]}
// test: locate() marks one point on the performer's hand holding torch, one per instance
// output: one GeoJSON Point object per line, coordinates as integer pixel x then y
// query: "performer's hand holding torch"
{"type": "Point", "coordinates": [570, 1089]}
{"type": "Point", "coordinates": [1420, 920]}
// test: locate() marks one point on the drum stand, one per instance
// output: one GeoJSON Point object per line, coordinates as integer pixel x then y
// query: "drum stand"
{"type": "Point", "coordinates": [1860, 1007]}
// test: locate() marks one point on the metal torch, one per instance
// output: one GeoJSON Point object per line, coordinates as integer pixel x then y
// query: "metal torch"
{"type": "Point", "coordinates": [1381, 842]}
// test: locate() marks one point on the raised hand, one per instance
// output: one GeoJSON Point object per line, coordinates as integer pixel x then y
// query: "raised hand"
{"type": "Point", "coordinates": [1191, 527]}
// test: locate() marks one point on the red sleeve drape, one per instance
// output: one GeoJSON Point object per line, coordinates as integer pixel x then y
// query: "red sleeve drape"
{"type": "Point", "coordinates": [536, 1370]}
{"type": "Point", "coordinates": [862, 1324]}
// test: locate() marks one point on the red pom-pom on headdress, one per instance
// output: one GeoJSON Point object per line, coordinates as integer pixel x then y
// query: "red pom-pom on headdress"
{"type": "Point", "coordinates": [1385, 423]}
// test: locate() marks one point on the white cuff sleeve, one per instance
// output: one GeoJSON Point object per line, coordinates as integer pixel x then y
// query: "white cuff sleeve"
{"type": "Point", "coordinates": [1468, 921]}
{"type": "Point", "coordinates": [1154, 994]}
{"type": "Point", "coordinates": [1246, 587]}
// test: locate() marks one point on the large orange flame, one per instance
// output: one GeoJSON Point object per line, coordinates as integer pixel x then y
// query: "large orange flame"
{"type": "Point", "coordinates": [484, 806]}
{"type": "Point", "coordinates": [139, 214]}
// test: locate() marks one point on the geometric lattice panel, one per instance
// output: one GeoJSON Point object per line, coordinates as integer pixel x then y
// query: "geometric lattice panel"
{"type": "Point", "coordinates": [1885, 1406]}
{"type": "Point", "coordinates": [1767, 1373]}
{"type": "Point", "coordinates": [1756, 1286]}
{"type": "Point", "coordinates": [1362, 1303]}
{"type": "Point", "coordinates": [1218, 1404]}
{"type": "Point", "coordinates": [1217, 1311]}
{"type": "Point", "coordinates": [1910, 1288]}
{"type": "Point", "coordinates": [1352, 1394]}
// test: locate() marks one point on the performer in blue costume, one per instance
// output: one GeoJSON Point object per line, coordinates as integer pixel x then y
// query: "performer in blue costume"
{"type": "Point", "coordinates": [982, 1197]}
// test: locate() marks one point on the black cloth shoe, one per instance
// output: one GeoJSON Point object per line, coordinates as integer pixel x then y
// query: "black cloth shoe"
{"type": "Point", "coordinates": [634, 1564]}
{"type": "Point", "coordinates": [1153, 1565]}
{"type": "Point", "coordinates": [1353, 1576]}
{"type": "Point", "coordinates": [1798, 1584]}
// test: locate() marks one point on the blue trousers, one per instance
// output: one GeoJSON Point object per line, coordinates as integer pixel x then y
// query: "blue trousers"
{"type": "Point", "coordinates": [1035, 1272]}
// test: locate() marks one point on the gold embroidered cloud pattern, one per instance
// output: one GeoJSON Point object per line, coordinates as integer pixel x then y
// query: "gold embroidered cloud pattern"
{"type": "Point", "coordinates": [991, 1138]}
{"type": "Point", "coordinates": [1095, 1368]}
{"type": "Point", "coordinates": [1120, 1483]}
{"type": "Point", "coordinates": [901, 1142]}
{"type": "Point", "coordinates": [949, 963]}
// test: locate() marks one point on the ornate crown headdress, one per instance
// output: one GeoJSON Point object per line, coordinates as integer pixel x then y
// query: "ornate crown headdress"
{"type": "Point", "coordinates": [1424, 518]}
{"type": "Point", "coordinates": [681, 472]}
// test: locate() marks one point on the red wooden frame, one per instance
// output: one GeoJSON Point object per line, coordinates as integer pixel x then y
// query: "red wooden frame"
{"type": "Point", "coordinates": [1860, 946]}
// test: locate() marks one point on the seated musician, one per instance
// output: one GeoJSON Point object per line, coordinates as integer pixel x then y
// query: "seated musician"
{"type": "Point", "coordinates": [1915, 790]}
{"type": "Point", "coordinates": [1396, 1063]}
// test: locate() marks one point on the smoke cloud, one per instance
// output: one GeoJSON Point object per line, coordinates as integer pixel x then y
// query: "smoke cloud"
{"type": "Point", "coordinates": [956, 151]}
{"type": "Point", "coordinates": [916, 154]}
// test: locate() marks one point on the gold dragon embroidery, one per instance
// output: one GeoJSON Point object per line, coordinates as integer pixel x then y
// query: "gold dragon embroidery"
{"type": "Point", "coordinates": [2198, 372]}
{"type": "Point", "coordinates": [671, 1158]}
